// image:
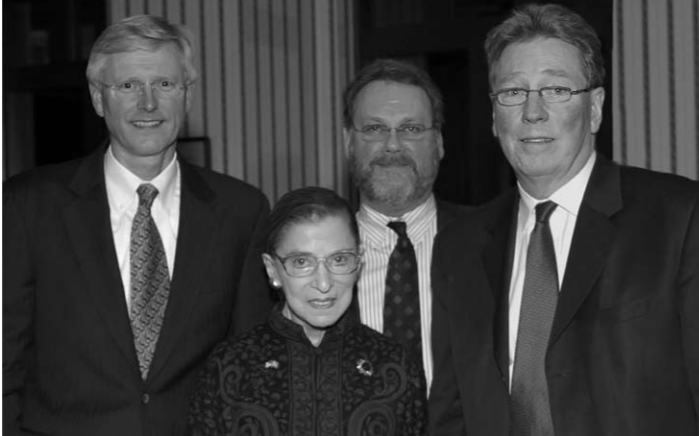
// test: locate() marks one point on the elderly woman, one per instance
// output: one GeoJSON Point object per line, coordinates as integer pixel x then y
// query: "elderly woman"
{"type": "Point", "coordinates": [312, 369]}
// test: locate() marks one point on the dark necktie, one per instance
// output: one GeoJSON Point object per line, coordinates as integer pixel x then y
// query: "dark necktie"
{"type": "Point", "coordinates": [150, 280]}
{"type": "Point", "coordinates": [401, 313]}
{"type": "Point", "coordinates": [530, 412]}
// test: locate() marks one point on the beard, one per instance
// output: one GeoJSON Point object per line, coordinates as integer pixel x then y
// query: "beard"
{"type": "Point", "coordinates": [394, 178]}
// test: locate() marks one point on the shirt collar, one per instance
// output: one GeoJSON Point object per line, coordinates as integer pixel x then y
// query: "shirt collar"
{"type": "Point", "coordinates": [122, 183]}
{"type": "Point", "coordinates": [374, 223]}
{"type": "Point", "coordinates": [569, 196]}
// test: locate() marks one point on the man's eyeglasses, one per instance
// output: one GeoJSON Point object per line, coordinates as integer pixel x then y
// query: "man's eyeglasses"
{"type": "Point", "coordinates": [302, 265]}
{"type": "Point", "coordinates": [550, 94]}
{"type": "Point", "coordinates": [133, 87]}
{"type": "Point", "coordinates": [381, 132]}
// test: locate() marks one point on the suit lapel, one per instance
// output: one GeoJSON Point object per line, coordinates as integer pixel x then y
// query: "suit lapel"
{"type": "Point", "coordinates": [90, 233]}
{"type": "Point", "coordinates": [593, 238]}
{"type": "Point", "coordinates": [446, 213]}
{"type": "Point", "coordinates": [497, 261]}
{"type": "Point", "coordinates": [195, 240]}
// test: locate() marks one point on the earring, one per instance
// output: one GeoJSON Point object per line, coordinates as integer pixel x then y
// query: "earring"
{"type": "Point", "coordinates": [276, 284]}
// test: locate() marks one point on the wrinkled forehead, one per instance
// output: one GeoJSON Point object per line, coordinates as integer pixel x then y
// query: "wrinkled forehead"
{"type": "Point", "coordinates": [386, 99]}
{"type": "Point", "coordinates": [165, 61]}
{"type": "Point", "coordinates": [537, 58]}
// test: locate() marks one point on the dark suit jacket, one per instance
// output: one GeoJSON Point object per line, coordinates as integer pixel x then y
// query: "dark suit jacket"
{"type": "Point", "coordinates": [69, 363]}
{"type": "Point", "coordinates": [448, 212]}
{"type": "Point", "coordinates": [623, 357]}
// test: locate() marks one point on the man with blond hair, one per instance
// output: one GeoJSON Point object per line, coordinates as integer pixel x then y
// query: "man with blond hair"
{"type": "Point", "coordinates": [123, 269]}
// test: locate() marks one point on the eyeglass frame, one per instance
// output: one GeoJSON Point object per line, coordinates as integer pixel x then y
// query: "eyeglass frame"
{"type": "Point", "coordinates": [572, 92]}
{"type": "Point", "coordinates": [140, 87]}
{"type": "Point", "coordinates": [318, 261]}
{"type": "Point", "coordinates": [386, 131]}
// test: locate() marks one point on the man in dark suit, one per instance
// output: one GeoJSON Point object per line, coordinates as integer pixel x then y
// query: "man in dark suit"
{"type": "Point", "coordinates": [122, 270]}
{"type": "Point", "coordinates": [568, 305]}
{"type": "Point", "coordinates": [392, 121]}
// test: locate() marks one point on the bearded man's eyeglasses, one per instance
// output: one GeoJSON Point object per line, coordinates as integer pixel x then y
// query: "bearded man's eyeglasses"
{"type": "Point", "coordinates": [381, 132]}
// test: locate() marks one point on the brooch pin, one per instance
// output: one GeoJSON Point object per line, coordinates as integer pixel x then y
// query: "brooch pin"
{"type": "Point", "coordinates": [364, 367]}
{"type": "Point", "coordinates": [271, 364]}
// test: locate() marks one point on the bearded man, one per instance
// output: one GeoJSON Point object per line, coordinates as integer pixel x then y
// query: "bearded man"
{"type": "Point", "coordinates": [393, 113]}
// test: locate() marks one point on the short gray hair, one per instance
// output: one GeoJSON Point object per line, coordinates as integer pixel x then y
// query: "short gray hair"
{"type": "Point", "coordinates": [533, 21]}
{"type": "Point", "coordinates": [140, 32]}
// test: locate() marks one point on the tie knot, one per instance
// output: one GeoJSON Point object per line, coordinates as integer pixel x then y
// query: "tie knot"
{"type": "Point", "coordinates": [544, 211]}
{"type": "Point", "coordinates": [146, 195]}
{"type": "Point", "coordinates": [399, 227]}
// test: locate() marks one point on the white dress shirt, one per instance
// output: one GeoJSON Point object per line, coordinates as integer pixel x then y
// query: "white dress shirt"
{"type": "Point", "coordinates": [123, 204]}
{"type": "Point", "coordinates": [562, 223]}
{"type": "Point", "coordinates": [378, 241]}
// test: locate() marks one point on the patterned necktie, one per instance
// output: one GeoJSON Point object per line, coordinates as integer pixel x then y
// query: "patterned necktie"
{"type": "Point", "coordinates": [150, 280]}
{"type": "Point", "coordinates": [530, 412]}
{"type": "Point", "coordinates": [401, 313]}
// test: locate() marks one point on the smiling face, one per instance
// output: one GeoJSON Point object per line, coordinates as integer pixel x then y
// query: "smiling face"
{"type": "Point", "coordinates": [317, 301]}
{"type": "Point", "coordinates": [547, 144]}
{"type": "Point", "coordinates": [143, 126]}
{"type": "Point", "coordinates": [394, 176]}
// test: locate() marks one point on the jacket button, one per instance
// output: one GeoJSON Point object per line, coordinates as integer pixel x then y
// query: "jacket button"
{"type": "Point", "coordinates": [145, 398]}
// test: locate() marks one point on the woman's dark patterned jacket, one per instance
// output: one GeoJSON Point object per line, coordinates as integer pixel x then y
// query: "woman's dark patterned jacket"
{"type": "Point", "coordinates": [272, 381]}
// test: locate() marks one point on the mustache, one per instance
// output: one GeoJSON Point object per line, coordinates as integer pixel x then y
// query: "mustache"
{"type": "Point", "coordinates": [393, 160]}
